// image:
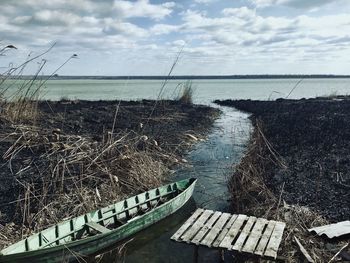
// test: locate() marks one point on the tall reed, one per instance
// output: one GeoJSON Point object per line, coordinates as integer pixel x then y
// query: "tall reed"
{"type": "Point", "coordinates": [19, 94]}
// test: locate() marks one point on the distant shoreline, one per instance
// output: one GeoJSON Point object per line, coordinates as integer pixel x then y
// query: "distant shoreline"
{"type": "Point", "coordinates": [194, 77]}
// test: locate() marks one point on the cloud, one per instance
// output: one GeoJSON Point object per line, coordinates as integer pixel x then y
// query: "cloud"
{"type": "Point", "coordinates": [243, 12]}
{"type": "Point", "coordinates": [143, 8]}
{"type": "Point", "coordinates": [179, 43]}
{"type": "Point", "coordinates": [238, 25]}
{"type": "Point", "coordinates": [77, 23]}
{"type": "Point", "coordinates": [245, 32]}
{"type": "Point", "coordinates": [235, 35]}
{"type": "Point", "coordinates": [163, 29]}
{"type": "Point", "coordinates": [306, 4]}
{"type": "Point", "coordinates": [204, 1]}
{"type": "Point", "coordinates": [47, 17]}
{"type": "Point", "coordinates": [124, 28]}
{"type": "Point", "coordinates": [302, 4]}
{"type": "Point", "coordinates": [77, 5]}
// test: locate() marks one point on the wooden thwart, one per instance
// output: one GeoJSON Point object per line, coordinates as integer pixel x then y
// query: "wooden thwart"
{"type": "Point", "coordinates": [240, 233]}
{"type": "Point", "coordinates": [98, 227]}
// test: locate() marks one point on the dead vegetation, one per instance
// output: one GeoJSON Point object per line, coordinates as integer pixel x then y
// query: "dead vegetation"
{"type": "Point", "coordinates": [19, 95]}
{"type": "Point", "coordinates": [186, 92]}
{"type": "Point", "coordinates": [62, 159]}
{"type": "Point", "coordinates": [250, 195]}
{"type": "Point", "coordinates": [55, 167]}
{"type": "Point", "coordinates": [64, 175]}
{"type": "Point", "coordinates": [20, 104]}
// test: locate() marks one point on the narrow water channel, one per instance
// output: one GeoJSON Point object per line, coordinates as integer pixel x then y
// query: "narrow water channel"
{"type": "Point", "coordinates": [210, 162]}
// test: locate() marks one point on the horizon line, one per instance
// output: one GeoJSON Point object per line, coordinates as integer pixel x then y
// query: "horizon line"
{"type": "Point", "coordinates": [189, 77]}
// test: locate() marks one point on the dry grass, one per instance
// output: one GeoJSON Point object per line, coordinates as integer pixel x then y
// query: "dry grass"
{"type": "Point", "coordinates": [247, 186]}
{"type": "Point", "coordinates": [251, 196]}
{"type": "Point", "coordinates": [186, 95]}
{"type": "Point", "coordinates": [65, 175]}
{"type": "Point", "coordinates": [19, 95]}
{"type": "Point", "coordinates": [20, 111]}
{"type": "Point", "coordinates": [20, 105]}
{"type": "Point", "coordinates": [60, 175]}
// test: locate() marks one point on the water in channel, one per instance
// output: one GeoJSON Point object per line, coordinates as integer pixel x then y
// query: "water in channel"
{"type": "Point", "coordinates": [210, 161]}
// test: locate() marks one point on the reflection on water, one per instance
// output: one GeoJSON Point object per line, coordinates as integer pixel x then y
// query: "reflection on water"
{"type": "Point", "coordinates": [210, 161]}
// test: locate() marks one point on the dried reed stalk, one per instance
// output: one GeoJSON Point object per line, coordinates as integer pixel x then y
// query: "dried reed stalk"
{"type": "Point", "coordinates": [250, 195]}
{"type": "Point", "coordinates": [66, 175]}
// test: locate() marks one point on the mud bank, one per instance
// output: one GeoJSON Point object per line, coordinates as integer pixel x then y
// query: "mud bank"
{"type": "Point", "coordinates": [312, 138]}
{"type": "Point", "coordinates": [75, 156]}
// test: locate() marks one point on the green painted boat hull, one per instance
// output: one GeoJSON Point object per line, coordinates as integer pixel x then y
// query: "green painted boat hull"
{"type": "Point", "coordinates": [64, 251]}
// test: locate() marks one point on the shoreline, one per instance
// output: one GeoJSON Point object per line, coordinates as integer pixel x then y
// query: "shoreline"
{"type": "Point", "coordinates": [193, 77]}
{"type": "Point", "coordinates": [295, 168]}
{"type": "Point", "coordinates": [311, 137]}
{"type": "Point", "coordinates": [75, 156]}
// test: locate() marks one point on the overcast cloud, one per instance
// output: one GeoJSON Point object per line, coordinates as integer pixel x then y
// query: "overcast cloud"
{"type": "Point", "coordinates": [142, 37]}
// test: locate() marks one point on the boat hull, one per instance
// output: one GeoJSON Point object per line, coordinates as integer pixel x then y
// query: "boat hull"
{"type": "Point", "coordinates": [80, 248]}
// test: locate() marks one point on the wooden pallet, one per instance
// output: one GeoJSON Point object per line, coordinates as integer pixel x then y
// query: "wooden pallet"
{"type": "Point", "coordinates": [240, 233]}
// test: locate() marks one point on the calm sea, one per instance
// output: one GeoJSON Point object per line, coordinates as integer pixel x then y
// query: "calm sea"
{"type": "Point", "coordinates": [205, 90]}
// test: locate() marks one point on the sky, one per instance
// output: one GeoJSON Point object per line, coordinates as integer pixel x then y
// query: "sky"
{"type": "Point", "coordinates": [211, 37]}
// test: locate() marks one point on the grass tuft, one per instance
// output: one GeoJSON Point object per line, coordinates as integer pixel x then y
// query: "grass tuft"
{"type": "Point", "coordinates": [186, 93]}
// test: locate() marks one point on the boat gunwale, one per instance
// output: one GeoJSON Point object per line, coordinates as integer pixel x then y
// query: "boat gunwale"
{"type": "Point", "coordinates": [105, 218]}
{"type": "Point", "coordinates": [44, 250]}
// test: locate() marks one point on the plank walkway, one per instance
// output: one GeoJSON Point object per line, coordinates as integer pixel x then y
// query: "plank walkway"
{"type": "Point", "coordinates": [241, 233]}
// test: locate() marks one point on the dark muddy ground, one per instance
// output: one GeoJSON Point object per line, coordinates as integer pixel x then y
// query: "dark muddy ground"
{"type": "Point", "coordinates": [313, 138]}
{"type": "Point", "coordinates": [168, 124]}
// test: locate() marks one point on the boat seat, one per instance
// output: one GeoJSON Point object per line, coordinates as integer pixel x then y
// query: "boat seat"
{"type": "Point", "coordinates": [98, 227]}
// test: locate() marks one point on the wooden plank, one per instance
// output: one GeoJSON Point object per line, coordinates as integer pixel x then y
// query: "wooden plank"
{"type": "Point", "coordinates": [233, 231]}
{"type": "Point", "coordinates": [265, 238]}
{"type": "Point", "coordinates": [275, 240]}
{"type": "Point", "coordinates": [254, 236]}
{"type": "Point", "coordinates": [244, 234]}
{"type": "Point", "coordinates": [217, 228]}
{"type": "Point", "coordinates": [224, 231]}
{"type": "Point", "coordinates": [187, 224]}
{"type": "Point", "coordinates": [207, 227]}
{"type": "Point", "coordinates": [98, 227]}
{"type": "Point", "coordinates": [197, 225]}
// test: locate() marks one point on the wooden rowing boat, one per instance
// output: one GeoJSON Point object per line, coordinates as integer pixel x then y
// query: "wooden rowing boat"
{"type": "Point", "coordinates": [89, 233]}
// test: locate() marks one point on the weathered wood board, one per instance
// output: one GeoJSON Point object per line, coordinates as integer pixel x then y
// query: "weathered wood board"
{"type": "Point", "coordinates": [248, 234]}
{"type": "Point", "coordinates": [98, 227]}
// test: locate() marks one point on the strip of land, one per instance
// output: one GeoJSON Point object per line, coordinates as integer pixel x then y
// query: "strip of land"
{"type": "Point", "coordinates": [193, 77]}
{"type": "Point", "coordinates": [296, 167]}
{"type": "Point", "coordinates": [61, 159]}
